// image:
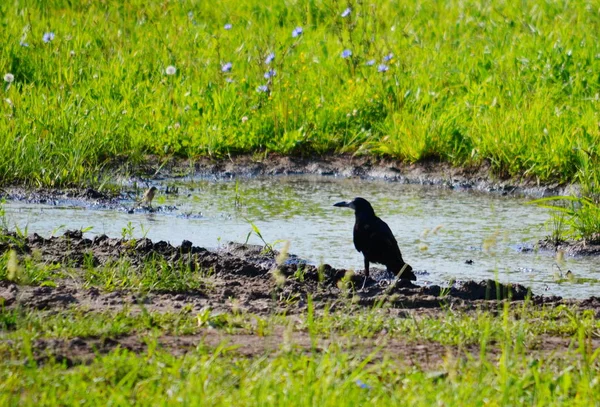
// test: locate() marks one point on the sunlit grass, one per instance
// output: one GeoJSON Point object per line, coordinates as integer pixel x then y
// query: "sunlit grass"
{"type": "Point", "coordinates": [333, 378]}
{"type": "Point", "coordinates": [502, 371]}
{"type": "Point", "coordinates": [527, 324]}
{"type": "Point", "coordinates": [80, 323]}
{"type": "Point", "coordinates": [153, 274]}
{"type": "Point", "coordinates": [509, 84]}
{"type": "Point", "coordinates": [573, 217]}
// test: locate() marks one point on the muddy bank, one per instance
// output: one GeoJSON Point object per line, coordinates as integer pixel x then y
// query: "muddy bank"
{"type": "Point", "coordinates": [572, 247]}
{"type": "Point", "coordinates": [49, 196]}
{"type": "Point", "coordinates": [236, 275]}
{"type": "Point", "coordinates": [423, 173]}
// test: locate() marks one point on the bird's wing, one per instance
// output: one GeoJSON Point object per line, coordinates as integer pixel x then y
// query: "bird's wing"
{"type": "Point", "coordinates": [374, 237]}
{"type": "Point", "coordinates": [361, 232]}
{"type": "Point", "coordinates": [385, 238]}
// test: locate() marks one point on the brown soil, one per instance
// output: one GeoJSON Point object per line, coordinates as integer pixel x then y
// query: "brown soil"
{"type": "Point", "coordinates": [236, 271]}
{"type": "Point", "coordinates": [241, 279]}
{"type": "Point", "coordinates": [84, 350]}
{"type": "Point", "coordinates": [426, 355]}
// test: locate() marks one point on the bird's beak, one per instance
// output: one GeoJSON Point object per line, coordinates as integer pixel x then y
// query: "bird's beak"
{"type": "Point", "coordinates": [344, 204]}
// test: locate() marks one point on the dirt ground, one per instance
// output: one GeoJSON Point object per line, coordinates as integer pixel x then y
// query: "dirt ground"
{"type": "Point", "coordinates": [237, 271]}
{"type": "Point", "coordinates": [426, 355]}
{"type": "Point", "coordinates": [243, 278]}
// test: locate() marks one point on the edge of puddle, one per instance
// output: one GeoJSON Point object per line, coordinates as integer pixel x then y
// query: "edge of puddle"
{"type": "Point", "coordinates": [429, 172]}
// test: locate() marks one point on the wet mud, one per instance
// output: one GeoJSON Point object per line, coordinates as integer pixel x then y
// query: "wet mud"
{"type": "Point", "coordinates": [430, 172]}
{"type": "Point", "coordinates": [245, 273]}
{"type": "Point", "coordinates": [572, 247]}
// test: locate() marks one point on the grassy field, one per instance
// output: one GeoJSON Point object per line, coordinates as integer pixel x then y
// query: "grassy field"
{"type": "Point", "coordinates": [93, 85]}
{"type": "Point", "coordinates": [481, 358]}
{"type": "Point", "coordinates": [501, 369]}
{"type": "Point", "coordinates": [122, 340]}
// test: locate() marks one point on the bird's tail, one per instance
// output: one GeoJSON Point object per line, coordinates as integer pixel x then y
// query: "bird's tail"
{"type": "Point", "coordinates": [405, 272]}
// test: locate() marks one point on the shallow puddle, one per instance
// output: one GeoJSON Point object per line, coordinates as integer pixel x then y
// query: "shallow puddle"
{"type": "Point", "coordinates": [444, 234]}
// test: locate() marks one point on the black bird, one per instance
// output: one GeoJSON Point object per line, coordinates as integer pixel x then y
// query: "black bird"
{"type": "Point", "coordinates": [374, 238]}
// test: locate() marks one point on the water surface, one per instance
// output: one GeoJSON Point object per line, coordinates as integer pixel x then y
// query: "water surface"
{"type": "Point", "coordinates": [438, 230]}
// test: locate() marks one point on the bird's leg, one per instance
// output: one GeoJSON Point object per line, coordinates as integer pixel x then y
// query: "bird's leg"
{"type": "Point", "coordinates": [366, 273]}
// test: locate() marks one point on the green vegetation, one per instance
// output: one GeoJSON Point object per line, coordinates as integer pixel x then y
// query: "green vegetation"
{"type": "Point", "coordinates": [27, 270]}
{"type": "Point", "coordinates": [503, 368]}
{"type": "Point", "coordinates": [83, 324]}
{"type": "Point", "coordinates": [573, 217]}
{"type": "Point", "coordinates": [468, 82]}
{"type": "Point", "coordinates": [332, 378]}
{"type": "Point", "coordinates": [454, 328]}
{"type": "Point", "coordinates": [152, 275]}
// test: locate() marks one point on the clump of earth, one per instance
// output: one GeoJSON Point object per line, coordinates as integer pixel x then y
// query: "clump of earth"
{"type": "Point", "coordinates": [259, 281]}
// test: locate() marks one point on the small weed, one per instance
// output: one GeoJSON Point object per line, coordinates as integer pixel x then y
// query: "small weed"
{"type": "Point", "coordinates": [268, 247]}
{"type": "Point", "coordinates": [345, 283]}
{"type": "Point", "coordinates": [127, 232]}
{"type": "Point", "coordinates": [4, 223]}
{"type": "Point", "coordinates": [321, 272]}
{"type": "Point", "coordinates": [262, 326]}
{"type": "Point", "coordinates": [300, 273]}
{"type": "Point", "coordinates": [26, 270]}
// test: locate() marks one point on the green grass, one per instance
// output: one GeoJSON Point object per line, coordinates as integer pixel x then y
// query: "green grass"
{"type": "Point", "coordinates": [452, 328]}
{"type": "Point", "coordinates": [80, 323]}
{"type": "Point", "coordinates": [155, 274]}
{"type": "Point", "coordinates": [470, 82]}
{"type": "Point", "coordinates": [573, 217]}
{"type": "Point", "coordinates": [28, 270]}
{"type": "Point", "coordinates": [215, 377]}
{"type": "Point", "coordinates": [333, 375]}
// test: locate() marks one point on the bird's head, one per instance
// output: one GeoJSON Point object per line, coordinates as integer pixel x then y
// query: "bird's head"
{"type": "Point", "coordinates": [360, 205]}
{"type": "Point", "coordinates": [153, 189]}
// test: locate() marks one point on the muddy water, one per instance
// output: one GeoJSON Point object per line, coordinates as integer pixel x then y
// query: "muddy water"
{"type": "Point", "coordinates": [444, 234]}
